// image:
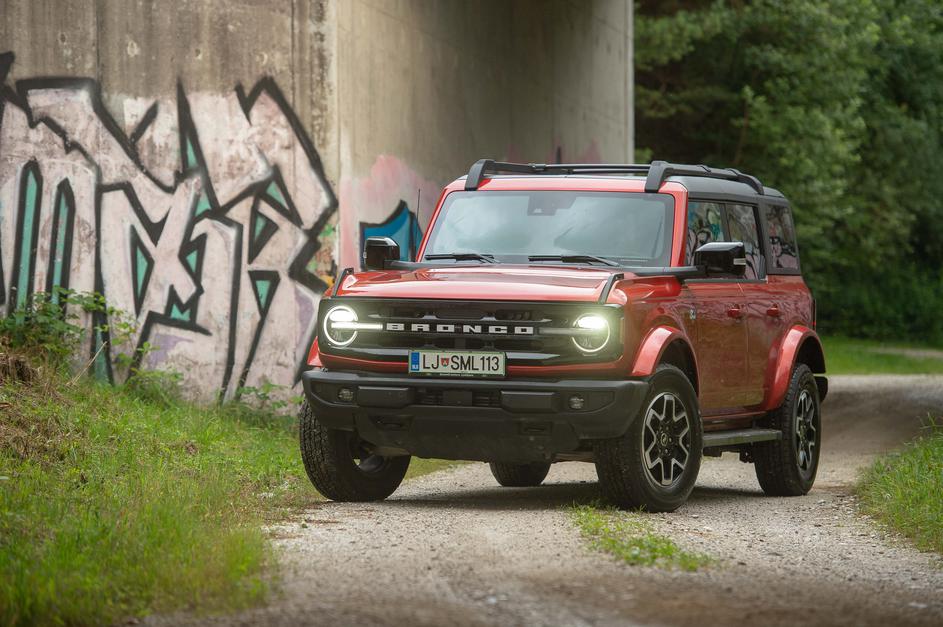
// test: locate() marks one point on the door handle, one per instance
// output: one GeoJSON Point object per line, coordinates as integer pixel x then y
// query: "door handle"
{"type": "Point", "coordinates": [773, 311]}
{"type": "Point", "coordinates": [735, 312]}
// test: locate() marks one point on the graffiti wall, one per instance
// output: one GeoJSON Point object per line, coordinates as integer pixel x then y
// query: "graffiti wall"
{"type": "Point", "coordinates": [202, 216]}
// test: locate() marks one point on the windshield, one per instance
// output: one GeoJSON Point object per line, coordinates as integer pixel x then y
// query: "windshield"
{"type": "Point", "coordinates": [631, 229]}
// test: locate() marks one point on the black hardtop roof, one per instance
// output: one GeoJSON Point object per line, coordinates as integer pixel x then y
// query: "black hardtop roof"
{"type": "Point", "coordinates": [698, 179]}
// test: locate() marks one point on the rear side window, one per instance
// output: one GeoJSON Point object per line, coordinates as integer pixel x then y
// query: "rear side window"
{"type": "Point", "coordinates": [784, 253]}
{"type": "Point", "coordinates": [705, 225]}
{"type": "Point", "coordinates": [742, 222]}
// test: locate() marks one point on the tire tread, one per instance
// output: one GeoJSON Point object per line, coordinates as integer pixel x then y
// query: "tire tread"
{"type": "Point", "coordinates": [775, 466]}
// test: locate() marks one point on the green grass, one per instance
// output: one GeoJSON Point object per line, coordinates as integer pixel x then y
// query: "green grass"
{"type": "Point", "coordinates": [904, 489]}
{"type": "Point", "coordinates": [629, 537]}
{"type": "Point", "coordinates": [852, 356]}
{"type": "Point", "coordinates": [115, 505]}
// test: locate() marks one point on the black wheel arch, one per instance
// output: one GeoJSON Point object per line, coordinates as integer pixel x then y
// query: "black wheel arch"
{"type": "Point", "coordinates": [679, 354]}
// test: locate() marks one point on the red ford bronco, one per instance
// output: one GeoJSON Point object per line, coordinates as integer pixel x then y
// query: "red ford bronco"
{"type": "Point", "coordinates": [634, 316]}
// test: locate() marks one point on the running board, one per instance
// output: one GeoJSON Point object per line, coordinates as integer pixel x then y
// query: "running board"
{"type": "Point", "coordinates": [740, 436]}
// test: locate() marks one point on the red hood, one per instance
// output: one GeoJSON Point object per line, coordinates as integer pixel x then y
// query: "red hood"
{"type": "Point", "coordinates": [502, 282]}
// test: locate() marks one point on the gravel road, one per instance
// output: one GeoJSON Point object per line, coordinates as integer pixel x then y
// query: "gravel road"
{"type": "Point", "coordinates": [452, 548]}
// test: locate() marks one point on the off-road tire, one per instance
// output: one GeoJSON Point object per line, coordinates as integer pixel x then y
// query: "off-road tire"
{"type": "Point", "coordinates": [624, 477]}
{"type": "Point", "coordinates": [332, 467]}
{"type": "Point", "coordinates": [777, 463]}
{"type": "Point", "coordinates": [519, 475]}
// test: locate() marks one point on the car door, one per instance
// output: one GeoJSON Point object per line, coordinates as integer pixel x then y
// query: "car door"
{"type": "Point", "coordinates": [761, 307]}
{"type": "Point", "coordinates": [721, 342]}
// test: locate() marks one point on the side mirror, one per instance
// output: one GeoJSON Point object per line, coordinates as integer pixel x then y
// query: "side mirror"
{"type": "Point", "coordinates": [727, 258]}
{"type": "Point", "coordinates": [378, 251]}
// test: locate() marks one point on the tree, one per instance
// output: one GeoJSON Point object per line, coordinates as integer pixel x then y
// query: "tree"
{"type": "Point", "coordinates": [837, 103]}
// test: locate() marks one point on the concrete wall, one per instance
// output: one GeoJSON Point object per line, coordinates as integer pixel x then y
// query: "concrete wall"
{"type": "Point", "coordinates": [208, 165]}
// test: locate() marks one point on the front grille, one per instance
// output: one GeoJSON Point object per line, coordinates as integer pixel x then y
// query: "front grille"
{"type": "Point", "coordinates": [452, 325]}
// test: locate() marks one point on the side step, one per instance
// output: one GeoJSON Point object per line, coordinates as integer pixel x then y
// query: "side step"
{"type": "Point", "coordinates": [740, 436]}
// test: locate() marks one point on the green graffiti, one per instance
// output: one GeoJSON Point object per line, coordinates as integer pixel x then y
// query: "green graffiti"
{"type": "Point", "coordinates": [192, 259]}
{"type": "Point", "coordinates": [202, 205]}
{"type": "Point", "coordinates": [142, 266]}
{"type": "Point", "coordinates": [276, 194]}
{"type": "Point", "coordinates": [179, 314]}
{"type": "Point", "coordinates": [260, 221]}
{"type": "Point", "coordinates": [190, 158]}
{"type": "Point", "coordinates": [262, 287]}
{"type": "Point", "coordinates": [30, 211]}
{"type": "Point", "coordinates": [63, 223]}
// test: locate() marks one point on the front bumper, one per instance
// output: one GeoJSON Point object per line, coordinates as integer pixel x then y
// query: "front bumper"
{"type": "Point", "coordinates": [475, 419]}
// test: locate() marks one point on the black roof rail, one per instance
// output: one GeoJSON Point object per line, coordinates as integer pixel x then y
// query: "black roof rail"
{"type": "Point", "coordinates": [661, 170]}
{"type": "Point", "coordinates": [655, 172]}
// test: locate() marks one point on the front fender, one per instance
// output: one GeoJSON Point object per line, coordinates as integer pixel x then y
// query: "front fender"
{"type": "Point", "coordinates": [652, 347]}
{"type": "Point", "coordinates": [784, 360]}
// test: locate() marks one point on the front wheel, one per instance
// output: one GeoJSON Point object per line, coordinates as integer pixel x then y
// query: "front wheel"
{"type": "Point", "coordinates": [342, 466]}
{"type": "Point", "coordinates": [655, 464]}
{"type": "Point", "coordinates": [787, 467]}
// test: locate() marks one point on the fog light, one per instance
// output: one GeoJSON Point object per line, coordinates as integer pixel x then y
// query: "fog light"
{"type": "Point", "coordinates": [345, 395]}
{"type": "Point", "coordinates": [576, 402]}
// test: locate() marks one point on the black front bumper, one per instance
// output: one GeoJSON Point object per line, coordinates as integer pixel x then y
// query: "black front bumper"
{"type": "Point", "coordinates": [475, 419]}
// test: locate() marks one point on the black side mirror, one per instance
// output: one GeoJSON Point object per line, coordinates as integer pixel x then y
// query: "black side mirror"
{"type": "Point", "coordinates": [378, 251]}
{"type": "Point", "coordinates": [727, 258]}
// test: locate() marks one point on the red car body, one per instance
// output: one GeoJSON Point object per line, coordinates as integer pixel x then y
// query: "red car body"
{"type": "Point", "coordinates": [709, 345]}
{"type": "Point", "coordinates": [744, 339]}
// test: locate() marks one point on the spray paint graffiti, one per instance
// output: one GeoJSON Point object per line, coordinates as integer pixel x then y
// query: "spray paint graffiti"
{"type": "Point", "coordinates": [402, 226]}
{"type": "Point", "coordinates": [366, 206]}
{"type": "Point", "coordinates": [203, 221]}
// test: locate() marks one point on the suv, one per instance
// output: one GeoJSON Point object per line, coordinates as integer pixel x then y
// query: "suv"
{"type": "Point", "coordinates": [634, 316]}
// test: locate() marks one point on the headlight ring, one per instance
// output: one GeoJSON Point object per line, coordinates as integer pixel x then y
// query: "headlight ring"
{"type": "Point", "coordinates": [340, 314]}
{"type": "Point", "coordinates": [590, 343]}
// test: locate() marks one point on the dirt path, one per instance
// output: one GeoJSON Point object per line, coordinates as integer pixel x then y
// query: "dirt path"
{"type": "Point", "coordinates": [454, 549]}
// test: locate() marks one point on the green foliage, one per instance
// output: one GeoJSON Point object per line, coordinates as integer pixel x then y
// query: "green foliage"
{"type": "Point", "coordinates": [838, 104]}
{"type": "Point", "coordinates": [41, 327]}
{"type": "Point", "coordinates": [903, 489]}
{"type": "Point", "coordinates": [629, 537]}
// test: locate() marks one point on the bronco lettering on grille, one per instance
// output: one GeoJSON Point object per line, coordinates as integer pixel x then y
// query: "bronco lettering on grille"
{"type": "Point", "coordinates": [480, 329]}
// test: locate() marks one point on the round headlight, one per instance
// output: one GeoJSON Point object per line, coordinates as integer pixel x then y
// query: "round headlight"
{"type": "Point", "coordinates": [595, 333]}
{"type": "Point", "coordinates": [334, 322]}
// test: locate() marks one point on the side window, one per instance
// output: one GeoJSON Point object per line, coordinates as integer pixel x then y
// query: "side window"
{"type": "Point", "coordinates": [742, 220]}
{"type": "Point", "coordinates": [784, 253]}
{"type": "Point", "coordinates": [705, 224]}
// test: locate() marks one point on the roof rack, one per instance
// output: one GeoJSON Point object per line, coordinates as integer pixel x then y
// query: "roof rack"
{"type": "Point", "coordinates": [655, 172]}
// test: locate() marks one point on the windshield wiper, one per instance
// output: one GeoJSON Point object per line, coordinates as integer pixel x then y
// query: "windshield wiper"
{"type": "Point", "coordinates": [573, 259]}
{"type": "Point", "coordinates": [463, 257]}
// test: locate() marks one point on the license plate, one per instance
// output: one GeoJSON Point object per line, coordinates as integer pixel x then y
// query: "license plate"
{"type": "Point", "coordinates": [457, 363]}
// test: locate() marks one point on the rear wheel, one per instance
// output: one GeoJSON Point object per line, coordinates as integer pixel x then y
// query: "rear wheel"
{"type": "Point", "coordinates": [655, 464]}
{"type": "Point", "coordinates": [519, 475]}
{"type": "Point", "coordinates": [342, 466]}
{"type": "Point", "coordinates": [787, 467]}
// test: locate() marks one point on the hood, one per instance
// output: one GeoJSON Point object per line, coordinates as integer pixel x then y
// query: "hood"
{"type": "Point", "coordinates": [498, 282]}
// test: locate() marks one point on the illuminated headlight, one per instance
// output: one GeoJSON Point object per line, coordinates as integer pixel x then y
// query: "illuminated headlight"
{"type": "Point", "coordinates": [594, 333]}
{"type": "Point", "coordinates": [341, 326]}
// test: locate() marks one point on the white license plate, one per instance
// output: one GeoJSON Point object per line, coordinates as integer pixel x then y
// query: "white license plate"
{"type": "Point", "coordinates": [457, 363]}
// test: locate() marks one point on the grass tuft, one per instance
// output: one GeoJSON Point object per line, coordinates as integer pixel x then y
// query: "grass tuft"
{"type": "Point", "coordinates": [903, 489]}
{"type": "Point", "coordinates": [629, 537]}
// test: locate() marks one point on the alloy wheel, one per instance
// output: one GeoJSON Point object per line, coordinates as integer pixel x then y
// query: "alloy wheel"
{"type": "Point", "coordinates": [806, 432]}
{"type": "Point", "coordinates": [666, 440]}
